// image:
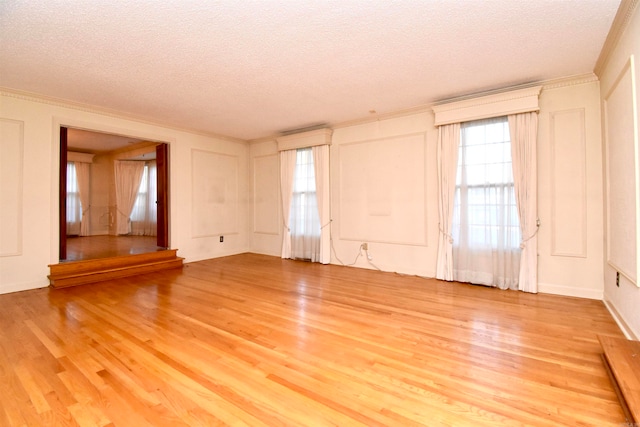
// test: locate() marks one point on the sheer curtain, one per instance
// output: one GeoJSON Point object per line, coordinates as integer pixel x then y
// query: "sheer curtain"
{"type": "Point", "coordinates": [321, 169]}
{"type": "Point", "coordinates": [144, 216]}
{"type": "Point", "coordinates": [83, 174]}
{"type": "Point", "coordinates": [447, 158]}
{"type": "Point", "coordinates": [287, 170]}
{"type": "Point", "coordinates": [486, 231]}
{"type": "Point", "coordinates": [524, 133]}
{"type": "Point", "coordinates": [128, 175]}
{"type": "Point", "coordinates": [305, 220]}
{"type": "Point", "coordinates": [74, 204]}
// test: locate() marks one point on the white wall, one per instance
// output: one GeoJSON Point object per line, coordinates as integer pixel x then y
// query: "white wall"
{"type": "Point", "coordinates": [623, 299]}
{"type": "Point", "coordinates": [383, 183]}
{"type": "Point", "coordinates": [383, 192]}
{"type": "Point", "coordinates": [37, 210]}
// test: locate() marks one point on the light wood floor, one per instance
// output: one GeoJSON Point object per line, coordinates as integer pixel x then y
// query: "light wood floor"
{"type": "Point", "coordinates": [255, 340]}
{"type": "Point", "coordinates": [94, 247]}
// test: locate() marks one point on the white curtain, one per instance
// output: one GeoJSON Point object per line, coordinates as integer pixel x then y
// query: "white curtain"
{"type": "Point", "coordinates": [74, 205]}
{"type": "Point", "coordinates": [447, 159]}
{"type": "Point", "coordinates": [486, 233]}
{"type": "Point", "coordinates": [287, 170]}
{"type": "Point", "coordinates": [144, 216]}
{"type": "Point", "coordinates": [524, 131]}
{"type": "Point", "coordinates": [321, 169]}
{"type": "Point", "coordinates": [305, 220]}
{"type": "Point", "coordinates": [128, 175]}
{"type": "Point", "coordinates": [83, 173]}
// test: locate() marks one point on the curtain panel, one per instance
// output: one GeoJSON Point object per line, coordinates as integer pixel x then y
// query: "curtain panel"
{"type": "Point", "coordinates": [287, 171]}
{"type": "Point", "coordinates": [524, 132]}
{"type": "Point", "coordinates": [144, 216]}
{"type": "Point", "coordinates": [128, 175]}
{"type": "Point", "coordinates": [447, 158]}
{"type": "Point", "coordinates": [74, 205]}
{"type": "Point", "coordinates": [321, 166]}
{"type": "Point", "coordinates": [83, 174]}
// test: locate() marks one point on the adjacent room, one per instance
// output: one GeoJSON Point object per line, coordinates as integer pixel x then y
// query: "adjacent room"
{"type": "Point", "coordinates": [319, 213]}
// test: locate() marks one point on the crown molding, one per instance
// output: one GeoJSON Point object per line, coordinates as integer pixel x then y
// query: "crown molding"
{"type": "Point", "coordinates": [619, 25]}
{"type": "Point", "coordinates": [570, 81]}
{"type": "Point", "coordinates": [87, 108]}
{"type": "Point", "coordinates": [575, 80]}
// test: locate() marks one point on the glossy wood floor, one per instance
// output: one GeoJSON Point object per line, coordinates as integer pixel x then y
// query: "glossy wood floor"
{"type": "Point", "coordinates": [255, 340]}
{"type": "Point", "coordinates": [95, 247]}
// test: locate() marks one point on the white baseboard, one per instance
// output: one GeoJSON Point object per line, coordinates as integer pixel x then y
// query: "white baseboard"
{"type": "Point", "coordinates": [624, 326]}
{"type": "Point", "coordinates": [569, 291]}
{"type": "Point", "coordinates": [204, 257]}
{"type": "Point", "coordinates": [19, 287]}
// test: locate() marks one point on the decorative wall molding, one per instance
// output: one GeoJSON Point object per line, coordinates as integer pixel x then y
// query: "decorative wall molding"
{"type": "Point", "coordinates": [375, 176]}
{"type": "Point", "coordinates": [569, 81]}
{"type": "Point", "coordinates": [568, 159]}
{"type": "Point", "coordinates": [215, 194]}
{"type": "Point", "coordinates": [500, 104]}
{"type": "Point", "coordinates": [619, 25]}
{"type": "Point", "coordinates": [266, 219]}
{"type": "Point", "coordinates": [11, 186]}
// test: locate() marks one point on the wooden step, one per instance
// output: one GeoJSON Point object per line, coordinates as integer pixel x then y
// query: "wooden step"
{"type": "Point", "coordinates": [622, 359]}
{"type": "Point", "coordinates": [75, 273]}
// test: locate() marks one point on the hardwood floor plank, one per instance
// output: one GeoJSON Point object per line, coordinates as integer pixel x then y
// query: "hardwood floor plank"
{"type": "Point", "coordinates": [256, 340]}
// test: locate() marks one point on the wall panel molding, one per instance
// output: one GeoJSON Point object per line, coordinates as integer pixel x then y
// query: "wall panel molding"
{"type": "Point", "coordinates": [215, 193]}
{"type": "Point", "coordinates": [11, 186]}
{"type": "Point", "coordinates": [266, 195]}
{"type": "Point", "coordinates": [568, 183]}
{"type": "Point", "coordinates": [382, 190]}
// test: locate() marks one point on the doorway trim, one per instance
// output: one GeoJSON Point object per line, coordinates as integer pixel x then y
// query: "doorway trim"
{"type": "Point", "coordinates": [66, 122]}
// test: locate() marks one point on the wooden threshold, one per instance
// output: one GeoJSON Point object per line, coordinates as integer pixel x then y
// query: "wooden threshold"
{"type": "Point", "coordinates": [96, 270]}
{"type": "Point", "coordinates": [622, 360]}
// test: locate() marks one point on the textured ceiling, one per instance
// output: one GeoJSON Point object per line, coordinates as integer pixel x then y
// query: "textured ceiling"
{"type": "Point", "coordinates": [252, 68]}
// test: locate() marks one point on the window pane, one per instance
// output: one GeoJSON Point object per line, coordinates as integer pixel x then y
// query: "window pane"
{"type": "Point", "coordinates": [485, 214]}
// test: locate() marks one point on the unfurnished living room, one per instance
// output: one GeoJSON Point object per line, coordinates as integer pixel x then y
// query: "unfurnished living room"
{"type": "Point", "coordinates": [313, 213]}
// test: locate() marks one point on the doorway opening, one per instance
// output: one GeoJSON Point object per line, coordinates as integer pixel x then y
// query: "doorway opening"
{"type": "Point", "coordinates": [91, 202]}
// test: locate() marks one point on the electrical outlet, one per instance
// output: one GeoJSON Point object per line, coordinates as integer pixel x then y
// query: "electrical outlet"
{"type": "Point", "coordinates": [221, 239]}
{"type": "Point", "coordinates": [365, 246]}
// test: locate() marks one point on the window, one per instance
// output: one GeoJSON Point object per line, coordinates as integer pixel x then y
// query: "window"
{"type": "Point", "coordinates": [304, 218]}
{"type": "Point", "coordinates": [486, 229]}
{"type": "Point", "coordinates": [74, 206]}
{"type": "Point", "coordinates": [487, 216]}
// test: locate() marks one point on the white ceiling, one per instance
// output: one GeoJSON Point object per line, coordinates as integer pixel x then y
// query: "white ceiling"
{"type": "Point", "coordinates": [84, 141]}
{"type": "Point", "coordinates": [252, 68]}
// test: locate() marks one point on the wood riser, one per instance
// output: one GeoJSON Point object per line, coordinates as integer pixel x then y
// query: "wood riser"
{"type": "Point", "coordinates": [92, 271]}
{"type": "Point", "coordinates": [622, 359]}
